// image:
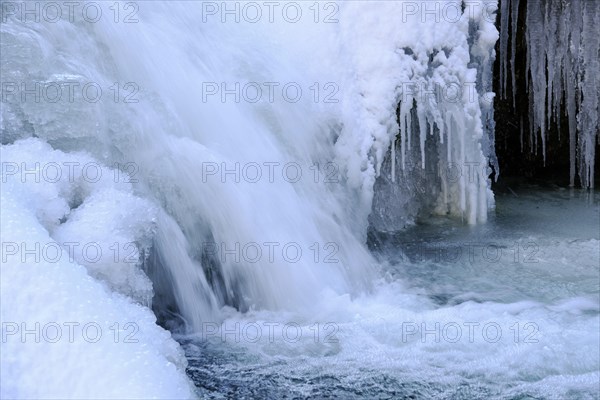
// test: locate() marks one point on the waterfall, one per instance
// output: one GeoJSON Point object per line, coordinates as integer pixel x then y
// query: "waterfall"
{"type": "Point", "coordinates": [240, 173]}
{"type": "Point", "coordinates": [239, 163]}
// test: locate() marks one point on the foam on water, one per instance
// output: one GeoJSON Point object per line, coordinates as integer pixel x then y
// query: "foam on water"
{"type": "Point", "coordinates": [450, 320]}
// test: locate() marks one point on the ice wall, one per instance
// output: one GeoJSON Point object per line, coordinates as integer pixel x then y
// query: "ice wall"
{"type": "Point", "coordinates": [563, 73]}
{"type": "Point", "coordinates": [426, 102]}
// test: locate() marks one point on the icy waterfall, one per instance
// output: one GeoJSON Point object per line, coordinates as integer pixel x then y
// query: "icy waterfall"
{"type": "Point", "coordinates": [420, 93]}
{"type": "Point", "coordinates": [178, 188]}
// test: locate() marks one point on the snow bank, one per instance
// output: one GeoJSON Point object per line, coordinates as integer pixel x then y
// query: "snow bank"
{"type": "Point", "coordinates": [64, 333]}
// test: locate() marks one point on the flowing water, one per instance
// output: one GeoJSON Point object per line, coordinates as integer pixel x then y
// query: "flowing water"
{"type": "Point", "coordinates": [506, 310]}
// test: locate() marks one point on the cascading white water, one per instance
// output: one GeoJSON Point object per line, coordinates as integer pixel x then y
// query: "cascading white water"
{"type": "Point", "coordinates": [174, 136]}
{"type": "Point", "coordinates": [183, 140]}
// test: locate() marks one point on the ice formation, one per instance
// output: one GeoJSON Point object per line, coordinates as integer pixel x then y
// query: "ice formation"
{"type": "Point", "coordinates": [563, 53]}
{"type": "Point", "coordinates": [425, 93]}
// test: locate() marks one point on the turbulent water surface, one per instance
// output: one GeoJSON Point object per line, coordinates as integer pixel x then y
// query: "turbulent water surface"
{"type": "Point", "coordinates": [507, 310]}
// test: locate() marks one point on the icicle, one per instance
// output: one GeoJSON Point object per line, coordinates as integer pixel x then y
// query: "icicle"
{"type": "Point", "coordinates": [460, 130]}
{"type": "Point", "coordinates": [513, 48]}
{"type": "Point", "coordinates": [537, 66]}
{"type": "Point", "coordinates": [448, 123]}
{"type": "Point", "coordinates": [482, 199]}
{"type": "Point", "coordinates": [422, 135]}
{"type": "Point", "coordinates": [409, 127]}
{"type": "Point", "coordinates": [562, 63]}
{"type": "Point", "coordinates": [571, 107]}
{"type": "Point", "coordinates": [588, 126]}
{"type": "Point", "coordinates": [403, 132]}
{"type": "Point", "coordinates": [521, 126]}
{"type": "Point", "coordinates": [550, 56]}
{"type": "Point", "coordinates": [441, 172]}
{"type": "Point", "coordinates": [394, 159]}
{"type": "Point", "coordinates": [504, 14]}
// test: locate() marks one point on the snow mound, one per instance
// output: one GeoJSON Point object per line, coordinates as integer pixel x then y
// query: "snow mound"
{"type": "Point", "coordinates": [64, 333]}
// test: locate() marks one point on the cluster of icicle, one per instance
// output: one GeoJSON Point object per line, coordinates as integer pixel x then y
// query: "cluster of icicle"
{"type": "Point", "coordinates": [563, 63]}
{"type": "Point", "coordinates": [465, 128]}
